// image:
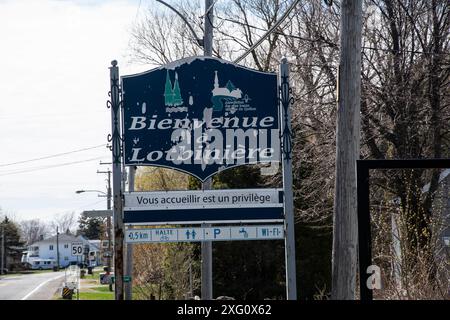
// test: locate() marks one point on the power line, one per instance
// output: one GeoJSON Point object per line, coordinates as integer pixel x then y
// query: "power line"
{"type": "Point", "coordinates": [209, 9]}
{"type": "Point", "coordinates": [52, 156]}
{"type": "Point", "coordinates": [265, 30]}
{"type": "Point", "coordinates": [331, 44]}
{"type": "Point", "coordinates": [276, 25]}
{"type": "Point", "coordinates": [50, 166]}
{"type": "Point", "coordinates": [46, 115]}
{"type": "Point", "coordinates": [405, 51]}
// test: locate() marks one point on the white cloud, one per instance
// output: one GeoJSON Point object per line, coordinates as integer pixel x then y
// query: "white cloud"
{"type": "Point", "coordinates": [54, 61]}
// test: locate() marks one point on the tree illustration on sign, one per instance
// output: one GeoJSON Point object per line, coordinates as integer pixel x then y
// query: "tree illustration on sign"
{"type": "Point", "coordinates": [172, 94]}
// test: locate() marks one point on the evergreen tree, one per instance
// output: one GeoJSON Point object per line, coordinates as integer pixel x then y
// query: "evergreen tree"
{"type": "Point", "coordinates": [13, 242]}
{"type": "Point", "coordinates": [177, 100]}
{"type": "Point", "coordinates": [168, 94]}
{"type": "Point", "coordinates": [90, 228]}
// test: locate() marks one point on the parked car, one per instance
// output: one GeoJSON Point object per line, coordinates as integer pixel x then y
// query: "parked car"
{"type": "Point", "coordinates": [41, 264]}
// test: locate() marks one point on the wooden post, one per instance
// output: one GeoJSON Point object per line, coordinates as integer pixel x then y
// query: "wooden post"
{"type": "Point", "coordinates": [345, 226]}
{"type": "Point", "coordinates": [129, 246]}
{"type": "Point", "coordinates": [206, 246]}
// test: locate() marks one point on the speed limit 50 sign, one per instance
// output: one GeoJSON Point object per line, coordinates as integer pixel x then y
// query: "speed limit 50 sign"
{"type": "Point", "coordinates": [77, 248]}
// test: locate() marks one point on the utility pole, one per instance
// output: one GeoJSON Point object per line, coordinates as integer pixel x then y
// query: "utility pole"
{"type": "Point", "coordinates": [3, 250]}
{"type": "Point", "coordinates": [116, 149]}
{"type": "Point", "coordinates": [108, 218]}
{"type": "Point", "coordinates": [129, 261]}
{"type": "Point", "coordinates": [345, 224]}
{"type": "Point", "coordinates": [206, 264]}
{"type": "Point", "coordinates": [57, 247]}
{"type": "Point", "coordinates": [208, 36]}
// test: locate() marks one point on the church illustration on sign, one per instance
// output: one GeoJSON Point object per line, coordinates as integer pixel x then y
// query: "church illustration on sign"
{"type": "Point", "coordinates": [172, 95]}
{"type": "Point", "coordinates": [227, 93]}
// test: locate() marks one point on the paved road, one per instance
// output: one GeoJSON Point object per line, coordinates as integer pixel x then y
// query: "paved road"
{"type": "Point", "coordinates": [38, 286]}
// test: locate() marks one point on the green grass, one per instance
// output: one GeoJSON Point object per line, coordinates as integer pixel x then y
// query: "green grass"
{"type": "Point", "coordinates": [99, 293]}
{"type": "Point", "coordinates": [104, 288]}
{"type": "Point", "coordinates": [94, 276]}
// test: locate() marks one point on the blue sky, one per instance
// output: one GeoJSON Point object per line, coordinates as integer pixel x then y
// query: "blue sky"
{"type": "Point", "coordinates": [54, 61]}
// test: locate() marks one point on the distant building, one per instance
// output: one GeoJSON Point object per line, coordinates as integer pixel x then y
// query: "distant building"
{"type": "Point", "coordinates": [45, 249]}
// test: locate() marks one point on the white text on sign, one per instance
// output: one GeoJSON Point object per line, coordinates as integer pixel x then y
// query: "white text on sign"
{"type": "Point", "coordinates": [241, 198]}
{"type": "Point", "coordinates": [229, 233]}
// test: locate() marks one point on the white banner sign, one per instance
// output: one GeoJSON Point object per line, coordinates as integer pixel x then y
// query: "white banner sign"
{"type": "Point", "coordinates": [206, 199]}
{"type": "Point", "coordinates": [229, 233]}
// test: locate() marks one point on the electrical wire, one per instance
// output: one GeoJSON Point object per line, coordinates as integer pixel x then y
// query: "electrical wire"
{"type": "Point", "coordinates": [50, 166]}
{"type": "Point", "coordinates": [331, 44]}
{"type": "Point", "coordinates": [52, 156]}
{"type": "Point", "coordinates": [46, 115]}
{"type": "Point", "coordinates": [199, 40]}
{"type": "Point", "coordinates": [265, 30]}
{"type": "Point", "coordinates": [209, 9]}
{"type": "Point", "coordinates": [276, 25]}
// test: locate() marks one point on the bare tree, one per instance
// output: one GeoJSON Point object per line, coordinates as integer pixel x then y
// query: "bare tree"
{"type": "Point", "coordinates": [64, 222]}
{"type": "Point", "coordinates": [33, 229]}
{"type": "Point", "coordinates": [161, 36]}
{"type": "Point", "coordinates": [405, 105]}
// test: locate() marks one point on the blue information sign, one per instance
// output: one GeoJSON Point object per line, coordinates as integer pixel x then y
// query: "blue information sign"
{"type": "Point", "coordinates": [200, 115]}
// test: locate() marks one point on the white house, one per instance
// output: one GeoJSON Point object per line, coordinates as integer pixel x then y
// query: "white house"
{"type": "Point", "coordinates": [46, 250]}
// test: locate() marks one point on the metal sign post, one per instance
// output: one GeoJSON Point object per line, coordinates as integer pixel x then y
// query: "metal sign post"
{"type": "Point", "coordinates": [116, 148]}
{"type": "Point", "coordinates": [286, 155]}
{"type": "Point", "coordinates": [129, 246]}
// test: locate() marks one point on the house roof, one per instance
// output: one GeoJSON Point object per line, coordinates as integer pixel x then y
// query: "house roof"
{"type": "Point", "coordinates": [63, 237]}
